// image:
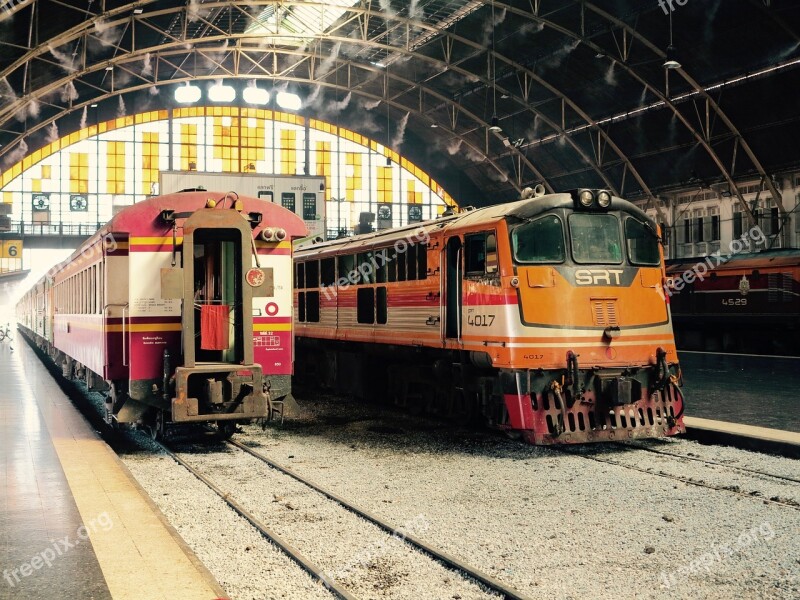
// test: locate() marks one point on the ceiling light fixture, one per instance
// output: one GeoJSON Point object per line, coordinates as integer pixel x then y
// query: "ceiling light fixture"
{"type": "Point", "coordinates": [187, 94]}
{"type": "Point", "coordinates": [255, 95]}
{"type": "Point", "coordinates": [671, 62]}
{"type": "Point", "coordinates": [288, 100]}
{"type": "Point", "coordinates": [138, 11]}
{"type": "Point", "coordinates": [388, 120]}
{"type": "Point", "coordinates": [495, 126]}
{"type": "Point", "coordinates": [109, 68]}
{"type": "Point", "coordinates": [221, 93]}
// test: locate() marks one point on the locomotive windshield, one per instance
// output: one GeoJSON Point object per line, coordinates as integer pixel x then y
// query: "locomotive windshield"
{"type": "Point", "coordinates": [539, 241]}
{"type": "Point", "coordinates": [595, 239]}
{"type": "Point", "coordinates": [642, 243]}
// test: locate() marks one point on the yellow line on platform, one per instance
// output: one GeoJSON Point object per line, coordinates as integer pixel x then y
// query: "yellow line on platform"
{"type": "Point", "coordinates": [141, 556]}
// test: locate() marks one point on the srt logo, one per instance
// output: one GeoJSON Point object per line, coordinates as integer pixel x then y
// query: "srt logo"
{"type": "Point", "coordinates": [598, 276]}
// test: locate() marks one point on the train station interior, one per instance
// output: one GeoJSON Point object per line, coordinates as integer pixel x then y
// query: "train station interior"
{"type": "Point", "coordinates": [393, 264]}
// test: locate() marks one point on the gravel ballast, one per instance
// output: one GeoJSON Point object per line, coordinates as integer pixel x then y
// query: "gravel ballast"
{"type": "Point", "coordinates": [559, 525]}
{"type": "Point", "coordinates": [551, 524]}
{"type": "Point", "coordinates": [245, 564]}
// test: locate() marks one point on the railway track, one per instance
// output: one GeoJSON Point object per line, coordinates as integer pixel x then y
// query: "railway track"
{"type": "Point", "coordinates": [707, 462]}
{"type": "Point", "coordinates": [687, 480]}
{"type": "Point", "coordinates": [488, 582]}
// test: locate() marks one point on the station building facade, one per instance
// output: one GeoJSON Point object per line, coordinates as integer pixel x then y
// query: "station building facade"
{"type": "Point", "coordinates": [76, 182]}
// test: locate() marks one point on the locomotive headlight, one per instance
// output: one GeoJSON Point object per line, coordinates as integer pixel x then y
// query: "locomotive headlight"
{"type": "Point", "coordinates": [273, 234]}
{"type": "Point", "coordinates": [586, 197]}
{"type": "Point", "coordinates": [604, 199]}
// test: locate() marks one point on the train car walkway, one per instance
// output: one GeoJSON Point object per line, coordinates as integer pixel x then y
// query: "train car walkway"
{"type": "Point", "coordinates": [74, 523]}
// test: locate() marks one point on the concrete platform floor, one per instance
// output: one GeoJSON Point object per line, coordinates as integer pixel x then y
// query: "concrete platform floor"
{"type": "Point", "coordinates": [73, 521]}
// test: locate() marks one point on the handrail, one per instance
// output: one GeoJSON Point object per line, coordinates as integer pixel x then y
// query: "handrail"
{"type": "Point", "coordinates": [443, 293]}
{"type": "Point", "coordinates": [124, 337]}
{"type": "Point", "coordinates": [459, 303]}
{"type": "Point", "coordinates": [124, 329]}
{"type": "Point", "coordinates": [53, 229]}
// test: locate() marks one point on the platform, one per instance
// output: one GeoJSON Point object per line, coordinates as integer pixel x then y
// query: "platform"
{"type": "Point", "coordinates": [74, 522]}
{"type": "Point", "coordinates": [764, 439]}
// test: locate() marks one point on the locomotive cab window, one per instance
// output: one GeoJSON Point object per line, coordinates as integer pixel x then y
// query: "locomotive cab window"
{"type": "Point", "coordinates": [481, 254]}
{"type": "Point", "coordinates": [642, 243]}
{"type": "Point", "coordinates": [595, 239]}
{"type": "Point", "coordinates": [539, 241]}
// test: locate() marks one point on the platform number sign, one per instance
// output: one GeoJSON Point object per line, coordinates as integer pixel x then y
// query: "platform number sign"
{"type": "Point", "coordinates": [11, 249]}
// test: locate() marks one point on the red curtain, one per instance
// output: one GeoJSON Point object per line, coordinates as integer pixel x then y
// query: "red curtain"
{"type": "Point", "coordinates": [214, 327]}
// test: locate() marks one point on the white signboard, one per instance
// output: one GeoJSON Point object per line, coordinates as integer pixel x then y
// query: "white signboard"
{"type": "Point", "coordinates": [305, 196]}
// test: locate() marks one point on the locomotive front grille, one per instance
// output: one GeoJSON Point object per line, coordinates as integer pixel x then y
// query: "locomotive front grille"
{"type": "Point", "coordinates": [618, 422]}
{"type": "Point", "coordinates": [604, 311]}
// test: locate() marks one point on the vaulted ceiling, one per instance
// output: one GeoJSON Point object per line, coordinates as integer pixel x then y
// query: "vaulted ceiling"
{"type": "Point", "coordinates": [579, 88]}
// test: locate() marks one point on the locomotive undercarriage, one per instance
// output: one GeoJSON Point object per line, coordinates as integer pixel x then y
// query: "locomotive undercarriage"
{"type": "Point", "coordinates": [220, 393]}
{"type": "Point", "coordinates": [592, 405]}
{"type": "Point", "coordinates": [207, 393]}
{"type": "Point", "coordinates": [542, 406]}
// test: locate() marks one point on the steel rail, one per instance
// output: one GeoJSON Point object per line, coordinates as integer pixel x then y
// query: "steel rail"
{"type": "Point", "coordinates": [703, 460]}
{"type": "Point", "coordinates": [312, 569]}
{"type": "Point", "coordinates": [440, 555]}
{"type": "Point", "coordinates": [686, 480]}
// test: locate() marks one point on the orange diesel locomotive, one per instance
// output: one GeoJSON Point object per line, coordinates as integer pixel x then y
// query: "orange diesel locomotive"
{"type": "Point", "coordinates": [544, 317]}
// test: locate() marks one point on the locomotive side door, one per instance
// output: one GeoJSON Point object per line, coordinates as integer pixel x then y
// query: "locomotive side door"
{"type": "Point", "coordinates": [452, 304]}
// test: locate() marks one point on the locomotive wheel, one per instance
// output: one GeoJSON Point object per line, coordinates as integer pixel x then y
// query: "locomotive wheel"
{"type": "Point", "coordinates": [225, 429]}
{"type": "Point", "coordinates": [109, 417]}
{"type": "Point", "coordinates": [158, 428]}
{"type": "Point", "coordinates": [462, 409]}
{"type": "Point", "coordinates": [111, 399]}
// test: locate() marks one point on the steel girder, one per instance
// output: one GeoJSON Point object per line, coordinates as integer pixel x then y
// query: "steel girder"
{"type": "Point", "coordinates": [425, 35]}
{"type": "Point", "coordinates": [120, 17]}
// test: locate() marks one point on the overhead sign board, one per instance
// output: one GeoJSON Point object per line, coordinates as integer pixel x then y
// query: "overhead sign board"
{"type": "Point", "coordinates": [11, 249]}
